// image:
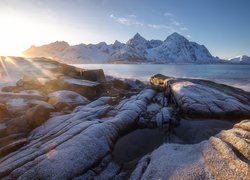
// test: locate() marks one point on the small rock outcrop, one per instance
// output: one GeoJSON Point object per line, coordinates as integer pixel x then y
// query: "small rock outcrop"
{"type": "Point", "coordinates": [202, 98]}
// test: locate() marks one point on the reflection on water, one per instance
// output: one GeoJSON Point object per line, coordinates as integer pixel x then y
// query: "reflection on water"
{"type": "Point", "coordinates": [234, 75]}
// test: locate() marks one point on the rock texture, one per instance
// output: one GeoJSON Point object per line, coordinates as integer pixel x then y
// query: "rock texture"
{"type": "Point", "coordinates": [61, 122]}
{"type": "Point", "coordinates": [66, 99]}
{"type": "Point", "coordinates": [225, 156]}
{"type": "Point", "coordinates": [205, 98]}
{"type": "Point", "coordinates": [77, 145]}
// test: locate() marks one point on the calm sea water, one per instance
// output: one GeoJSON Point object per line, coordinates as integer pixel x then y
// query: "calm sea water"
{"type": "Point", "coordinates": [234, 75]}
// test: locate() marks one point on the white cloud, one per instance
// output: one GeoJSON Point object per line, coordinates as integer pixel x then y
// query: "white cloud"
{"type": "Point", "coordinates": [168, 14]}
{"type": "Point", "coordinates": [184, 29]}
{"type": "Point", "coordinates": [176, 23]}
{"type": "Point", "coordinates": [189, 37]}
{"type": "Point", "coordinates": [158, 26]}
{"type": "Point", "coordinates": [128, 20]}
{"type": "Point", "coordinates": [131, 16]}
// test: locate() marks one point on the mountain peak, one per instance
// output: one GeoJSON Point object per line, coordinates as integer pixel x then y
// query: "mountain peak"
{"type": "Point", "coordinates": [136, 40]}
{"type": "Point", "coordinates": [137, 35]}
{"type": "Point", "coordinates": [176, 37]}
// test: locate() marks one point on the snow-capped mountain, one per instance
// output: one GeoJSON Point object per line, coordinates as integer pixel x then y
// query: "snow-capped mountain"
{"type": "Point", "coordinates": [178, 49]}
{"type": "Point", "coordinates": [175, 49]}
{"type": "Point", "coordinates": [240, 59]}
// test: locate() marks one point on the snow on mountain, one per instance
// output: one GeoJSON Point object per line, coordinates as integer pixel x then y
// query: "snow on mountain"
{"type": "Point", "coordinates": [240, 59]}
{"type": "Point", "coordinates": [178, 49]}
{"type": "Point", "coordinates": [175, 49]}
{"type": "Point", "coordinates": [49, 50]}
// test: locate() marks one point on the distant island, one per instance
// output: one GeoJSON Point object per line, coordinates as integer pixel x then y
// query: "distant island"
{"type": "Point", "coordinates": [174, 49]}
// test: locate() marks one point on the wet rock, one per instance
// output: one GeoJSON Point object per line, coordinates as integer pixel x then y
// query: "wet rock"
{"type": "Point", "coordinates": [9, 95]}
{"type": "Point", "coordinates": [12, 146]}
{"type": "Point", "coordinates": [66, 99]}
{"type": "Point", "coordinates": [3, 111]}
{"type": "Point", "coordinates": [96, 75]}
{"type": "Point", "coordinates": [225, 156]}
{"type": "Point", "coordinates": [89, 89]}
{"type": "Point", "coordinates": [14, 126]}
{"type": "Point", "coordinates": [193, 131]}
{"type": "Point", "coordinates": [37, 115]}
{"type": "Point", "coordinates": [119, 84]}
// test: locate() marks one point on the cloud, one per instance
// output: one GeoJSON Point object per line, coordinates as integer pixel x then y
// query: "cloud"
{"type": "Point", "coordinates": [184, 29]}
{"type": "Point", "coordinates": [168, 14]}
{"type": "Point", "coordinates": [128, 20]}
{"type": "Point", "coordinates": [158, 26]}
{"type": "Point", "coordinates": [131, 16]}
{"type": "Point", "coordinates": [176, 23]}
{"type": "Point", "coordinates": [189, 37]}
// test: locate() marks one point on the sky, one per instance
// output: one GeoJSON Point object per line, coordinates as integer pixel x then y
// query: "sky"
{"type": "Point", "coordinates": [223, 26]}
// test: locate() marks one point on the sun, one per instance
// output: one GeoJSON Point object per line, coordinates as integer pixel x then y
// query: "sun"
{"type": "Point", "coordinates": [10, 36]}
{"type": "Point", "coordinates": [17, 33]}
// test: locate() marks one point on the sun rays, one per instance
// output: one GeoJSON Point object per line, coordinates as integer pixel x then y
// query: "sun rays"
{"type": "Point", "coordinates": [12, 69]}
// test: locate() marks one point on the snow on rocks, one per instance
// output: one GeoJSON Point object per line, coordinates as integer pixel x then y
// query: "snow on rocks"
{"type": "Point", "coordinates": [205, 98]}
{"type": "Point", "coordinates": [66, 99]}
{"type": "Point", "coordinates": [73, 145]}
{"type": "Point", "coordinates": [225, 156]}
{"type": "Point", "coordinates": [158, 114]}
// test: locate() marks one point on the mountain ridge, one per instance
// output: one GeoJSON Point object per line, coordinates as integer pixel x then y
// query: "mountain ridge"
{"type": "Point", "coordinates": [174, 49]}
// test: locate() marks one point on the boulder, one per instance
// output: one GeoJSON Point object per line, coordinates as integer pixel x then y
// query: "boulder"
{"type": "Point", "coordinates": [89, 89]}
{"type": "Point", "coordinates": [96, 75]}
{"type": "Point", "coordinates": [119, 84]}
{"type": "Point", "coordinates": [14, 126]}
{"type": "Point", "coordinates": [37, 115]}
{"type": "Point", "coordinates": [17, 106]}
{"type": "Point", "coordinates": [18, 103]}
{"type": "Point", "coordinates": [31, 94]}
{"type": "Point", "coordinates": [202, 98]}
{"type": "Point", "coordinates": [66, 99]}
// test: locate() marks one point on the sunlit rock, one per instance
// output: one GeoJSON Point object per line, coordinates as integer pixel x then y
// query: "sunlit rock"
{"type": "Point", "coordinates": [66, 99]}
{"type": "Point", "coordinates": [37, 115]}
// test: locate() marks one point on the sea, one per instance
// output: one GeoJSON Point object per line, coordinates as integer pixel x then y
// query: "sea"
{"type": "Point", "coordinates": [231, 74]}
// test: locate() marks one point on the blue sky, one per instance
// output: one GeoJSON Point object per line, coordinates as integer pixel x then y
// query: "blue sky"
{"type": "Point", "coordinates": [223, 26]}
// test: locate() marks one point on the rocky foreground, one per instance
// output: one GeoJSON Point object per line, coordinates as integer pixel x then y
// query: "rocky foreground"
{"type": "Point", "coordinates": [70, 123]}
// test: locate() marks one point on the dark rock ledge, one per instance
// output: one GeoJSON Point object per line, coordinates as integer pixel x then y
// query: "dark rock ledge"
{"type": "Point", "coordinates": [68, 122]}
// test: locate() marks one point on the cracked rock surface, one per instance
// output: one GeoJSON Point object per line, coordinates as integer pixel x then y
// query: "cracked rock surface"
{"type": "Point", "coordinates": [224, 156]}
{"type": "Point", "coordinates": [77, 145]}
